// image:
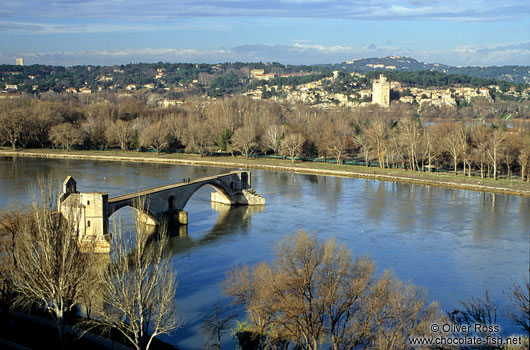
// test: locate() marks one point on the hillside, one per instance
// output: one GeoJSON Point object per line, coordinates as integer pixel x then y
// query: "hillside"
{"type": "Point", "coordinates": [516, 74]}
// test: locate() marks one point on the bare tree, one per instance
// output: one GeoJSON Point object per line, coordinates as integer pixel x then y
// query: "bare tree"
{"type": "Point", "coordinates": [215, 325]}
{"type": "Point", "coordinates": [12, 220]}
{"type": "Point", "coordinates": [94, 129]}
{"type": "Point", "coordinates": [12, 125]}
{"type": "Point", "coordinates": [52, 268]}
{"type": "Point", "coordinates": [524, 157]}
{"type": "Point", "coordinates": [427, 148]}
{"type": "Point", "coordinates": [314, 291]}
{"type": "Point", "coordinates": [292, 145]}
{"type": "Point", "coordinates": [378, 132]}
{"type": "Point", "coordinates": [520, 311]}
{"type": "Point", "coordinates": [480, 139]}
{"type": "Point", "coordinates": [138, 288]}
{"type": "Point", "coordinates": [412, 131]}
{"type": "Point", "coordinates": [346, 283]}
{"type": "Point", "coordinates": [246, 287]}
{"type": "Point", "coordinates": [199, 135]}
{"type": "Point", "coordinates": [66, 135]}
{"type": "Point", "coordinates": [495, 146]}
{"type": "Point", "coordinates": [176, 127]}
{"type": "Point", "coordinates": [311, 125]}
{"type": "Point", "coordinates": [450, 143]}
{"type": "Point", "coordinates": [338, 137]}
{"type": "Point", "coordinates": [363, 142]}
{"type": "Point", "coordinates": [396, 311]}
{"type": "Point", "coordinates": [477, 311]}
{"type": "Point", "coordinates": [462, 135]}
{"type": "Point", "coordinates": [245, 140]}
{"type": "Point", "coordinates": [510, 151]}
{"type": "Point", "coordinates": [273, 136]}
{"type": "Point", "coordinates": [154, 136]}
{"type": "Point", "coordinates": [120, 132]}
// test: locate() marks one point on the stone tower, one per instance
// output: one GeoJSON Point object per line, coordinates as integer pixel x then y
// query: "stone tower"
{"type": "Point", "coordinates": [88, 211]}
{"type": "Point", "coordinates": [381, 91]}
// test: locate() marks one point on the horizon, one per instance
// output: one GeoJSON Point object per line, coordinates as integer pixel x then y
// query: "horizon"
{"type": "Point", "coordinates": [293, 32]}
{"type": "Point", "coordinates": [256, 62]}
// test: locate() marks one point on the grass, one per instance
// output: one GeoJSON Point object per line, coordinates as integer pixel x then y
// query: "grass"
{"type": "Point", "coordinates": [513, 186]}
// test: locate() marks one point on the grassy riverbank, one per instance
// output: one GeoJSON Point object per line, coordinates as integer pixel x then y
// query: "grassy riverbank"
{"type": "Point", "coordinates": [516, 187]}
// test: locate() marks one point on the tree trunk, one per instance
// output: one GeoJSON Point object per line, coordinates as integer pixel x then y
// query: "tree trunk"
{"type": "Point", "coordinates": [60, 329]}
{"type": "Point", "coordinates": [495, 168]}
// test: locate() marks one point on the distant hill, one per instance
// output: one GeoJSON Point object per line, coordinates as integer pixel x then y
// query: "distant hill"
{"type": "Point", "coordinates": [516, 74]}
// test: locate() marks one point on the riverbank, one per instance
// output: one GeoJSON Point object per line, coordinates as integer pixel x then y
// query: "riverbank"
{"type": "Point", "coordinates": [514, 187]}
{"type": "Point", "coordinates": [15, 326]}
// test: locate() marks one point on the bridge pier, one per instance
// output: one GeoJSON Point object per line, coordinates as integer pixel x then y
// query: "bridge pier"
{"type": "Point", "coordinates": [245, 197]}
{"type": "Point", "coordinates": [146, 219]}
{"type": "Point", "coordinates": [175, 217]}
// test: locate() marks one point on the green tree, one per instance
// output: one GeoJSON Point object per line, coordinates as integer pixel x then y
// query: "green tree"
{"type": "Point", "coordinates": [224, 142]}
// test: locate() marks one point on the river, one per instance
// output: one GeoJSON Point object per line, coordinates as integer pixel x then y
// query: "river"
{"type": "Point", "coordinates": [456, 243]}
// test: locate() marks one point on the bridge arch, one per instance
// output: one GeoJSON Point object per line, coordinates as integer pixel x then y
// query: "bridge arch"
{"type": "Point", "coordinates": [226, 193]}
{"type": "Point", "coordinates": [145, 215]}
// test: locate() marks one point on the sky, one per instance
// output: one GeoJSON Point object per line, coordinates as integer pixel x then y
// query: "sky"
{"type": "Point", "coordinates": [108, 32]}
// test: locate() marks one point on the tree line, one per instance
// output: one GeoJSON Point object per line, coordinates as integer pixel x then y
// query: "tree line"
{"type": "Point", "coordinates": [472, 141]}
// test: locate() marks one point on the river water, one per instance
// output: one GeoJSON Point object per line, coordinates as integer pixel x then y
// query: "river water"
{"type": "Point", "coordinates": [456, 243]}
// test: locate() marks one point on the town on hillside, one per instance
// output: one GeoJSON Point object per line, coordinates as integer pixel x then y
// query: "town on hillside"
{"type": "Point", "coordinates": [170, 84]}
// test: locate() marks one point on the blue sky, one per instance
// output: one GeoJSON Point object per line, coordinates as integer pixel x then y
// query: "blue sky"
{"type": "Point", "coordinates": [105, 32]}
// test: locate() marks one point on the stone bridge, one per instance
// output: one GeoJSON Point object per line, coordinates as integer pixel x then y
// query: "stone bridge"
{"type": "Point", "coordinates": [92, 211]}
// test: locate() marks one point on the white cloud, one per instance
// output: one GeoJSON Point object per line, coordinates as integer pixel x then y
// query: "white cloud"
{"type": "Point", "coordinates": [297, 53]}
{"type": "Point", "coordinates": [23, 27]}
{"type": "Point", "coordinates": [486, 55]}
{"type": "Point", "coordinates": [323, 48]}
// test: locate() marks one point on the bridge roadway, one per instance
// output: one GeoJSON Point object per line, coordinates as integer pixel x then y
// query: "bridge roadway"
{"type": "Point", "coordinates": [131, 195]}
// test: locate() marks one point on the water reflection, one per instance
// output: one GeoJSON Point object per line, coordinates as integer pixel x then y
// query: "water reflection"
{"type": "Point", "coordinates": [231, 220]}
{"type": "Point", "coordinates": [375, 200]}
